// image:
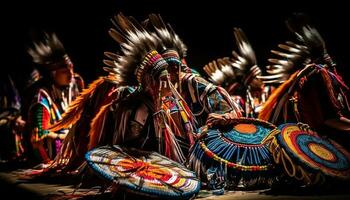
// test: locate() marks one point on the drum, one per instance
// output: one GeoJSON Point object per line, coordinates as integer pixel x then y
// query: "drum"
{"type": "Point", "coordinates": [143, 173]}
{"type": "Point", "coordinates": [306, 156]}
{"type": "Point", "coordinates": [237, 146]}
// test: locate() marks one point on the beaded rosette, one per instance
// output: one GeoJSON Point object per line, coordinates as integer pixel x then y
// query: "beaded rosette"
{"type": "Point", "coordinates": [142, 172]}
{"type": "Point", "coordinates": [237, 145]}
{"type": "Point", "coordinates": [307, 157]}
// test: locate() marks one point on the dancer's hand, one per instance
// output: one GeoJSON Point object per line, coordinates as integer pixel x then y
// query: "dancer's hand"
{"type": "Point", "coordinates": [219, 119]}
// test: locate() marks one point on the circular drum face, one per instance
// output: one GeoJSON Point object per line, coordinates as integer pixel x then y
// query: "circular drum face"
{"type": "Point", "coordinates": [313, 153]}
{"type": "Point", "coordinates": [142, 172]}
{"type": "Point", "coordinates": [238, 144]}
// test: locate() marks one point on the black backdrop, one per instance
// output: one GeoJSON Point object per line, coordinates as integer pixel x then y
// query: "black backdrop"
{"type": "Point", "coordinates": [206, 28]}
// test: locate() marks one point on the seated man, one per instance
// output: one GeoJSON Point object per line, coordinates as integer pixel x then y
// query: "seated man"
{"type": "Point", "coordinates": [169, 102]}
{"type": "Point", "coordinates": [52, 95]}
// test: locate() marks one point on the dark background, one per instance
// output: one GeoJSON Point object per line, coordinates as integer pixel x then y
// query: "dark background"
{"type": "Point", "coordinates": [206, 28]}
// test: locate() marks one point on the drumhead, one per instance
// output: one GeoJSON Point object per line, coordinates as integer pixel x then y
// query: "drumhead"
{"type": "Point", "coordinates": [238, 144]}
{"type": "Point", "coordinates": [313, 152]}
{"type": "Point", "coordinates": [306, 156]}
{"type": "Point", "coordinates": [143, 172]}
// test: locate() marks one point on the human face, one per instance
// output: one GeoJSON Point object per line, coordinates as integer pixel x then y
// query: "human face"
{"type": "Point", "coordinates": [174, 70]}
{"type": "Point", "coordinates": [63, 77]}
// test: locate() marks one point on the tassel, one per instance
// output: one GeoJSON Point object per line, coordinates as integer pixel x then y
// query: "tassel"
{"type": "Point", "coordinates": [330, 89]}
{"type": "Point", "coordinates": [168, 144]}
{"type": "Point", "coordinates": [185, 112]}
{"type": "Point", "coordinates": [167, 126]}
{"type": "Point", "coordinates": [73, 114]}
{"type": "Point", "coordinates": [172, 148]}
{"type": "Point", "coordinates": [97, 125]}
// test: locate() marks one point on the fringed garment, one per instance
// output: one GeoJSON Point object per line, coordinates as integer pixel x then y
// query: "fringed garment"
{"type": "Point", "coordinates": [313, 96]}
{"type": "Point", "coordinates": [47, 108]}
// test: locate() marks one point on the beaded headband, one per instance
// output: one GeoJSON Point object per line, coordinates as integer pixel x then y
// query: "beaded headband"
{"type": "Point", "coordinates": [152, 61]}
{"type": "Point", "coordinates": [171, 57]}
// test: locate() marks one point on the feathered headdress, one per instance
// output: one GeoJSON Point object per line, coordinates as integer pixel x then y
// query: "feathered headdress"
{"type": "Point", "coordinates": [137, 51]}
{"type": "Point", "coordinates": [221, 71]}
{"type": "Point", "coordinates": [167, 36]}
{"type": "Point", "coordinates": [242, 67]}
{"type": "Point", "coordinates": [139, 57]}
{"type": "Point", "coordinates": [291, 57]}
{"type": "Point", "coordinates": [173, 50]}
{"type": "Point", "coordinates": [294, 62]}
{"type": "Point", "coordinates": [294, 56]}
{"type": "Point", "coordinates": [307, 34]}
{"type": "Point", "coordinates": [49, 53]}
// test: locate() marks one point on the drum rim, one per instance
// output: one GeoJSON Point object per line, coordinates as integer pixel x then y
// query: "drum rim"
{"type": "Point", "coordinates": [149, 192]}
{"type": "Point", "coordinates": [310, 167]}
{"type": "Point", "coordinates": [237, 166]}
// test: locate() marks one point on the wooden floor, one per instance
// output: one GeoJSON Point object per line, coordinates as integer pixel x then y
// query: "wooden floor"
{"type": "Point", "coordinates": [14, 186]}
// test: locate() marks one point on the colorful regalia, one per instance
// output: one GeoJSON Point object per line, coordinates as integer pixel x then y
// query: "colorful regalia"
{"type": "Point", "coordinates": [164, 104]}
{"type": "Point", "coordinates": [50, 100]}
{"type": "Point", "coordinates": [240, 76]}
{"type": "Point", "coordinates": [233, 154]}
{"type": "Point", "coordinates": [143, 173]}
{"type": "Point", "coordinates": [312, 91]}
{"type": "Point", "coordinates": [307, 157]}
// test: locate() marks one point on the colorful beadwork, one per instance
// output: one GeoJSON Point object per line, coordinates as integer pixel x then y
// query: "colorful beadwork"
{"type": "Point", "coordinates": [240, 146]}
{"type": "Point", "coordinates": [142, 172]}
{"type": "Point", "coordinates": [306, 156]}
